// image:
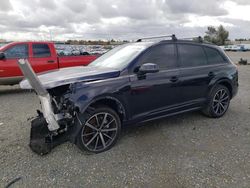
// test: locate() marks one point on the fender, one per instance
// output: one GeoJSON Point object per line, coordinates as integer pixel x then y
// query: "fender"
{"type": "Point", "coordinates": [121, 107]}
{"type": "Point", "coordinates": [84, 107]}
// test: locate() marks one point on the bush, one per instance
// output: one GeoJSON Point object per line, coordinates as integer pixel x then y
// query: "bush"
{"type": "Point", "coordinates": [242, 61]}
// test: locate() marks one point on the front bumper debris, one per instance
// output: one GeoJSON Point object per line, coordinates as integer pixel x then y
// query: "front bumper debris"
{"type": "Point", "coordinates": [46, 133]}
{"type": "Point", "coordinates": [41, 92]}
{"type": "Point", "coordinates": [42, 141]}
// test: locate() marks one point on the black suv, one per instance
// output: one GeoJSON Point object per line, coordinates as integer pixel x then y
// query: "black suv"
{"type": "Point", "coordinates": [134, 82]}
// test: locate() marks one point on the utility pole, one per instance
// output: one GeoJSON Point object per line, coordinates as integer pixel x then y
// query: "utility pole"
{"type": "Point", "coordinates": [50, 35]}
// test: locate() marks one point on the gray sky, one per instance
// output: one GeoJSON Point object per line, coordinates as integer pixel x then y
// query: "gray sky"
{"type": "Point", "coordinates": [120, 19]}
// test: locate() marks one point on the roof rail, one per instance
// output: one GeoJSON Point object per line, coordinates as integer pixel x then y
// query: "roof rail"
{"type": "Point", "coordinates": [173, 37]}
{"type": "Point", "coordinates": [198, 39]}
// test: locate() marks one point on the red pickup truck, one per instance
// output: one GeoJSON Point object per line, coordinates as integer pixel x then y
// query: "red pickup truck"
{"type": "Point", "coordinates": [41, 55]}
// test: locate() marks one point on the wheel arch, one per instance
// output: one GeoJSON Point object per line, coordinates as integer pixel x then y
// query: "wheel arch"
{"type": "Point", "coordinates": [225, 82]}
{"type": "Point", "coordinates": [110, 101]}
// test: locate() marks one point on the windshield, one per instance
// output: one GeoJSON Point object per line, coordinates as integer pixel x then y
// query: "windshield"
{"type": "Point", "coordinates": [120, 57]}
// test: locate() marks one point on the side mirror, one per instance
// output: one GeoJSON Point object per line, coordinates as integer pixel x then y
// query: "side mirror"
{"type": "Point", "coordinates": [149, 68]}
{"type": "Point", "coordinates": [2, 56]}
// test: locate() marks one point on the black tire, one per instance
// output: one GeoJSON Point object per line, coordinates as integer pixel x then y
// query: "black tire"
{"type": "Point", "coordinates": [104, 134]}
{"type": "Point", "coordinates": [218, 102]}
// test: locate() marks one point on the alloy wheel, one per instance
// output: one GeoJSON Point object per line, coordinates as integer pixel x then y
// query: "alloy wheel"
{"type": "Point", "coordinates": [99, 131]}
{"type": "Point", "coordinates": [220, 102]}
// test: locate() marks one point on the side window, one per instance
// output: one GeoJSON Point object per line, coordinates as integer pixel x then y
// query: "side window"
{"type": "Point", "coordinates": [213, 56]}
{"type": "Point", "coordinates": [191, 55]}
{"type": "Point", "coordinates": [17, 51]}
{"type": "Point", "coordinates": [41, 50]}
{"type": "Point", "coordinates": [163, 55]}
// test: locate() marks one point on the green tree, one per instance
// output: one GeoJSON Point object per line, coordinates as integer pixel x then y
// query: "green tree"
{"type": "Point", "coordinates": [217, 36]}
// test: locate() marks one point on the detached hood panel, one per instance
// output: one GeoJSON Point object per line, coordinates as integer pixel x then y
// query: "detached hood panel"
{"type": "Point", "coordinates": [71, 75]}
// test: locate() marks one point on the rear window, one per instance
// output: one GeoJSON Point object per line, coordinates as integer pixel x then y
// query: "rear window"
{"type": "Point", "coordinates": [191, 55]}
{"type": "Point", "coordinates": [41, 50]}
{"type": "Point", "coordinates": [213, 56]}
{"type": "Point", "coordinates": [17, 51]}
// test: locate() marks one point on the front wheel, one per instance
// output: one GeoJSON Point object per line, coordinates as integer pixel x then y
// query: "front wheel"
{"type": "Point", "coordinates": [218, 102]}
{"type": "Point", "coordinates": [100, 129]}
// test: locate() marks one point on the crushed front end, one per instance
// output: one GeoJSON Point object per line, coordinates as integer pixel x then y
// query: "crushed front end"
{"type": "Point", "coordinates": [55, 122]}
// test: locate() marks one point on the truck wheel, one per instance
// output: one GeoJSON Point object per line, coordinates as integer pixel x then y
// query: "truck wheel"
{"type": "Point", "coordinates": [99, 131]}
{"type": "Point", "coordinates": [218, 102]}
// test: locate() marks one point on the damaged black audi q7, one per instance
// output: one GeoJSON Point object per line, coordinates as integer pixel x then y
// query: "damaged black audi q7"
{"type": "Point", "coordinates": [132, 83]}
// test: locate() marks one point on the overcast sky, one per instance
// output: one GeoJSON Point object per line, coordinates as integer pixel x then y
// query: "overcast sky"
{"type": "Point", "coordinates": [119, 19]}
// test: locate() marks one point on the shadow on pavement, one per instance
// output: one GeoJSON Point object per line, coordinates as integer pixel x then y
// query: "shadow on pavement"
{"type": "Point", "coordinates": [5, 90]}
{"type": "Point", "coordinates": [155, 125]}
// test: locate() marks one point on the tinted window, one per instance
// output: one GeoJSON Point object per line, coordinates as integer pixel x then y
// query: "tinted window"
{"type": "Point", "coordinates": [41, 50]}
{"type": "Point", "coordinates": [213, 56]}
{"type": "Point", "coordinates": [163, 55]}
{"type": "Point", "coordinates": [191, 55]}
{"type": "Point", "coordinates": [17, 51]}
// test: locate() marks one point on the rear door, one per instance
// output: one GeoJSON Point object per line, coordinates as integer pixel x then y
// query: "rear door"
{"type": "Point", "coordinates": [42, 58]}
{"type": "Point", "coordinates": [195, 73]}
{"type": "Point", "coordinates": [154, 93]}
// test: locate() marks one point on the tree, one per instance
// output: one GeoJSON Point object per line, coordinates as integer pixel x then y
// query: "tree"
{"type": "Point", "coordinates": [210, 34]}
{"type": "Point", "coordinates": [217, 36]}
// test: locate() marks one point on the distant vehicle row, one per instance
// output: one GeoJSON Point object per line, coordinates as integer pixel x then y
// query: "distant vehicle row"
{"type": "Point", "coordinates": [238, 47]}
{"type": "Point", "coordinates": [66, 50]}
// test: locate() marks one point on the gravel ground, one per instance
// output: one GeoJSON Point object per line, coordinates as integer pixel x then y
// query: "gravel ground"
{"type": "Point", "coordinates": [187, 150]}
{"type": "Point", "coordinates": [235, 56]}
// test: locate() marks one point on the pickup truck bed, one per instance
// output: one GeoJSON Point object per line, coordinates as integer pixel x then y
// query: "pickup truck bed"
{"type": "Point", "coordinates": [42, 57]}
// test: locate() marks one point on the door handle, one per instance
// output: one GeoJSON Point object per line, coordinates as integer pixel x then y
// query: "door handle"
{"type": "Point", "coordinates": [51, 61]}
{"type": "Point", "coordinates": [174, 79]}
{"type": "Point", "coordinates": [211, 74]}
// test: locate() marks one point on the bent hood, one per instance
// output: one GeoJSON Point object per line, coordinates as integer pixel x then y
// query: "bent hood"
{"type": "Point", "coordinates": [71, 75]}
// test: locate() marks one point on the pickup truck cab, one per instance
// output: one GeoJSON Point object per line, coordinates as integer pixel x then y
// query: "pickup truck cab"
{"type": "Point", "coordinates": [41, 55]}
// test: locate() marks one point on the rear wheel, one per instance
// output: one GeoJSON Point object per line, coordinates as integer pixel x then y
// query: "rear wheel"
{"type": "Point", "coordinates": [218, 102]}
{"type": "Point", "coordinates": [100, 130]}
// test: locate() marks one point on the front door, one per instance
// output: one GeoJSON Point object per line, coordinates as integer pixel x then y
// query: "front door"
{"type": "Point", "coordinates": [155, 92]}
{"type": "Point", "coordinates": [9, 69]}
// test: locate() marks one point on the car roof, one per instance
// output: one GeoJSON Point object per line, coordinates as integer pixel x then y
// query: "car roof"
{"type": "Point", "coordinates": [8, 45]}
{"type": "Point", "coordinates": [33, 42]}
{"type": "Point", "coordinates": [180, 41]}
